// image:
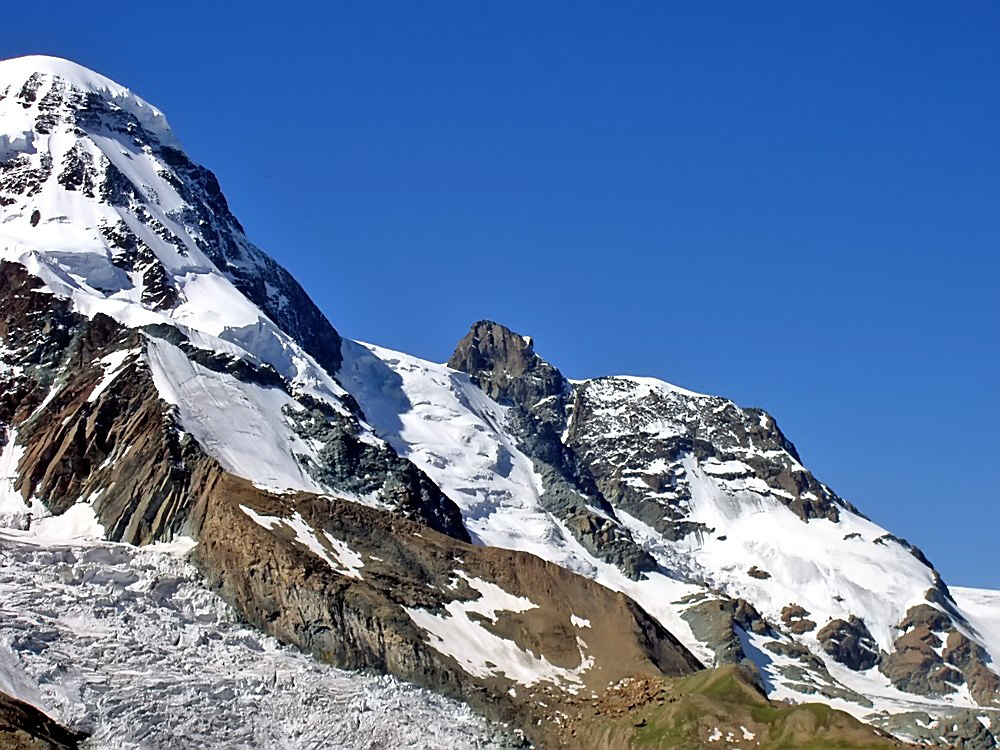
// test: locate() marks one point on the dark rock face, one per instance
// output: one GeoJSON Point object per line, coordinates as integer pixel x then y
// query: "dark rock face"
{"type": "Point", "coordinates": [961, 729]}
{"type": "Point", "coordinates": [971, 659]}
{"type": "Point", "coordinates": [850, 643]}
{"type": "Point", "coordinates": [809, 674]}
{"type": "Point", "coordinates": [964, 729]}
{"type": "Point", "coordinates": [24, 727]}
{"type": "Point", "coordinates": [209, 224]}
{"type": "Point", "coordinates": [916, 666]}
{"type": "Point", "coordinates": [354, 466]}
{"type": "Point", "coordinates": [637, 439]}
{"type": "Point", "coordinates": [717, 622]}
{"type": "Point", "coordinates": [505, 366]}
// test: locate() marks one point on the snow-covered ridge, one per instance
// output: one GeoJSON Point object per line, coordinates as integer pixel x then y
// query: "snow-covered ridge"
{"type": "Point", "coordinates": [748, 540]}
{"type": "Point", "coordinates": [102, 207]}
{"type": "Point", "coordinates": [17, 71]}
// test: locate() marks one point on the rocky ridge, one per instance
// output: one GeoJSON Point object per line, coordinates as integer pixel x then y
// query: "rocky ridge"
{"type": "Point", "coordinates": [718, 497]}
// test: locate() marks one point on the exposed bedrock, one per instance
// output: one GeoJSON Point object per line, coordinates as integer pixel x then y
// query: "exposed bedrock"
{"type": "Point", "coordinates": [24, 727]}
{"type": "Point", "coordinates": [850, 643]}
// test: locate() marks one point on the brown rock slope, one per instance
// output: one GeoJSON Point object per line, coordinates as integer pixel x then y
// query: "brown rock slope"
{"type": "Point", "coordinates": [396, 601]}
{"type": "Point", "coordinates": [24, 727]}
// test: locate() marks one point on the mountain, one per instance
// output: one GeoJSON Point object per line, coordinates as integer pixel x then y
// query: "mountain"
{"type": "Point", "coordinates": [700, 511]}
{"type": "Point", "coordinates": [560, 555]}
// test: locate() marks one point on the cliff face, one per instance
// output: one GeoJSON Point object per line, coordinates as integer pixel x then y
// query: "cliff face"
{"type": "Point", "coordinates": [24, 727]}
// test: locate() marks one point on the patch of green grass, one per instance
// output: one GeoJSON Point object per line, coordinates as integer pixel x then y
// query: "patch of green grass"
{"type": "Point", "coordinates": [727, 700]}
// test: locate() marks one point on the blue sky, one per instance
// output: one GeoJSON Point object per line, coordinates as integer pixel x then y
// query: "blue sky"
{"type": "Point", "coordinates": [795, 205]}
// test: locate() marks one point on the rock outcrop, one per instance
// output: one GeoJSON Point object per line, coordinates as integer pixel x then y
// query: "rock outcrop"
{"type": "Point", "coordinates": [933, 657]}
{"type": "Point", "coordinates": [24, 727]}
{"type": "Point", "coordinates": [721, 622]}
{"type": "Point", "coordinates": [505, 366]}
{"type": "Point", "coordinates": [850, 643]}
{"type": "Point", "coordinates": [796, 619]}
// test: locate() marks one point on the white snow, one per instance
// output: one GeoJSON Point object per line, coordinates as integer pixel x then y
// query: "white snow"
{"type": "Point", "coordinates": [13, 509]}
{"type": "Point", "coordinates": [78, 522]}
{"type": "Point", "coordinates": [725, 468]}
{"type": "Point", "coordinates": [810, 564]}
{"type": "Point", "coordinates": [113, 365]}
{"type": "Point", "coordinates": [483, 653]}
{"type": "Point", "coordinates": [129, 644]}
{"type": "Point", "coordinates": [446, 425]}
{"type": "Point", "coordinates": [16, 71]}
{"type": "Point", "coordinates": [179, 546]}
{"type": "Point", "coordinates": [579, 622]}
{"type": "Point", "coordinates": [242, 425]}
{"type": "Point", "coordinates": [654, 384]}
{"type": "Point", "coordinates": [331, 550]}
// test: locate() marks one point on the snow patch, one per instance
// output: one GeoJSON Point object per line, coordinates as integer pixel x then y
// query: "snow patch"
{"type": "Point", "coordinates": [483, 653]}
{"type": "Point", "coordinates": [242, 425]}
{"type": "Point", "coordinates": [78, 522]}
{"type": "Point", "coordinates": [13, 510]}
{"type": "Point", "coordinates": [113, 365]}
{"type": "Point", "coordinates": [331, 550]}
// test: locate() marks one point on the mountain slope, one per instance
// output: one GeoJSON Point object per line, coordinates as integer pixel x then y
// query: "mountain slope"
{"type": "Point", "coordinates": [754, 558]}
{"type": "Point", "coordinates": [162, 379]}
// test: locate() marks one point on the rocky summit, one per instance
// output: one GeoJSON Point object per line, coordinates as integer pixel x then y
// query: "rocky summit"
{"type": "Point", "coordinates": [294, 532]}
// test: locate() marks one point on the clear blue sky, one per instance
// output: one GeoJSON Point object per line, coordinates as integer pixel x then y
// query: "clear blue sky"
{"type": "Point", "coordinates": [795, 205]}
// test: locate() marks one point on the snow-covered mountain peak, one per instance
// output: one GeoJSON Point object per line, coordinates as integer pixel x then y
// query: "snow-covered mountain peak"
{"type": "Point", "coordinates": [696, 507]}
{"type": "Point", "coordinates": [22, 78]}
{"type": "Point", "coordinates": [101, 203]}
